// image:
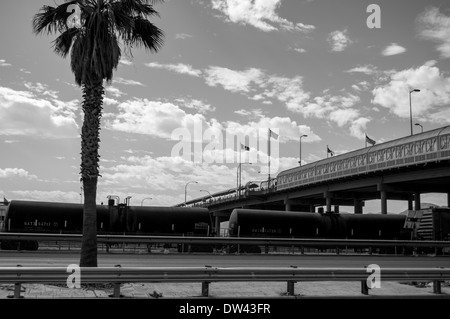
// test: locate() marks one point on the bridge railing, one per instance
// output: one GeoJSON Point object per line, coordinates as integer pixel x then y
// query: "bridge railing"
{"type": "Point", "coordinates": [118, 275]}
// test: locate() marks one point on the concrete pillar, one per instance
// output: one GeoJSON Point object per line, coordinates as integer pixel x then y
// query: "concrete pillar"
{"type": "Point", "coordinates": [383, 202]}
{"type": "Point", "coordinates": [328, 202]}
{"type": "Point", "coordinates": [312, 208]}
{"type": "Point", "coordinates": [328, 198]}
{"type": "Point", "coordinates": [358, 206]}
{"type": "Point", "coordinates": [410, 203]}
{"type": "Point", "coordinates": [336, 209]}
{"type": "Point", "coordinates": [217, 225]}
{"type": "Point", "coordinates": [448, 199]}
{"type": "Point", "coordinates": [416, 200]}
{"type": "Point", "coordinates": [288, 206]}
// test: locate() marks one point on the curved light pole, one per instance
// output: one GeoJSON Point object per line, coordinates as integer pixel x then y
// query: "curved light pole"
{"type": "Point", "coordinates": [410, 108]}
{"type": "Point", "coordinates": [300, 160]}
{"type": "Point", "coordinates": [421, 127]}
{"type": "Point", "coordinates": [142, 202]}
{"type": "Point", "coordinates": [185, 190]}
{"type": "Point", "coordinates": [202, 190]}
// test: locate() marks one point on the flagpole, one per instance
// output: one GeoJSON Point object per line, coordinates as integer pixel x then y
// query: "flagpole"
{"type": "Point", "coordinates": [268, 148]}
{"type": "Point", "coordinates": [240, 169]}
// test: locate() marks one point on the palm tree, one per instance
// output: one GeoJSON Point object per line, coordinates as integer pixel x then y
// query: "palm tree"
{"type": "Point", "coordinates": [95, 50]}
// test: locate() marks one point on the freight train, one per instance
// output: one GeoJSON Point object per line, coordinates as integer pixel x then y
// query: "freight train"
{"type": "Point", "coordinates": [426, 224]}
{"type": "Point", "coordinates": [45, 217]}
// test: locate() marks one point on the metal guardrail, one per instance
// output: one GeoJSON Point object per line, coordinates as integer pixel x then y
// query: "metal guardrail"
{"type": "Point", "coordinates": [300, 242]}
{"type": "Point", "coordinates": [206, 275]}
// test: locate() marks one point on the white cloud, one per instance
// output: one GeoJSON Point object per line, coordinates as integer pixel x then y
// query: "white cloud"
{"type": "Point", "coordinates": [433, 98]}
{"type": "Point", "coordinates": [289, 130]}
{"type": "Point", "coordinates": [393, 49]}
{"type": "Point", "coordinates": [235, 81]}
{"type": "Point", "coordinates": [125, 61]}
{"type": "Point", "coordinates": [254, 113]}
{"type": "Point", "coordinates": [179, 68]}
{"type": "Point", "coordinates": [4, 63]}
{"type": "Point", "coordinates": [182, 36]}
{"type": "Point", "coordinates": [41, 89]}
{"type": "Point", "coordinates": [299, 50]}
{"type": "Point", "coordinates": [260, 14]}
{"type": "Point", "coordinates": [153, 118]}
{"type": "Point", "coordinates": [198, 105]}
{"type": "Point", "coordinates": [435, 26]}
{"type": "Point", "coordinates": [25, 71]}
{"type": "Point", "coordinates": [115, 92]}
{"type": "Point", "coordinates": [358, 127]}
{"type": "Point", "coordinates": [16, 172]}
{"type": "Point", "coordinates": [25, 114]}
{"type": "Point", "coordinates": [123, 81]}
{"type": "Point", "coordinates": [367, 69]}
{"type": "Point", "coordinates": [339, 40]}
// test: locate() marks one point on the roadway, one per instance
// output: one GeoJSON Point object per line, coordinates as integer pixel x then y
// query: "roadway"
{"type": "Point", "coordinates": [63, 259]}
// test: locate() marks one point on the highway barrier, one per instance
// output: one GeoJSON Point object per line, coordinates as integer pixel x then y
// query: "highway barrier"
{"type": "Point", "coordinates": [75, 276]}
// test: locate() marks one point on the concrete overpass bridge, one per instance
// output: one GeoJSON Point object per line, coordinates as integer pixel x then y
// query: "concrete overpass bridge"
{"type": "Point", "coordinates": [401, 169]}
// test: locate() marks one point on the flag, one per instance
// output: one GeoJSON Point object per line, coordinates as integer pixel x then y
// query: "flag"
{"type": "Point", "coordinates": [330, 151]}
{"type": "Point", "coordinates": [370, 141]}
{"type": "Point", "coordinates": [245, 147]}
{"type": "Point", "coordinates": [272, 134]}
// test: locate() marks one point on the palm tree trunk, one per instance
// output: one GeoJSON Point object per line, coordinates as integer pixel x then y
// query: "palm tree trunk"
{"type": "Point", "coordinates": [92, 108]}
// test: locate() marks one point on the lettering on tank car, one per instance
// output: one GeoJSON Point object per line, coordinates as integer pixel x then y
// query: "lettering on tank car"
{"type": "Point", "coordinates": [39, 224]}
{"type": "Point", "coordinates": [201, 225]}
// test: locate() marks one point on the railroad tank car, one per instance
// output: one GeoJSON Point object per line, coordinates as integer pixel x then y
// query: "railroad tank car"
{"type": "Point", "coordinates": [270, 223]}
{"type": "Point", "coordinates": [48, 217]}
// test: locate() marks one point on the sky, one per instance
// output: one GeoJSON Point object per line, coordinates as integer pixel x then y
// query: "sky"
{"type": "Point", "coordinates": [333, 70]}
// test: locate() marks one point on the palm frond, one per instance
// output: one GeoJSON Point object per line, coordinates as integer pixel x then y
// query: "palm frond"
{"type": "Point", "coordinates": [142, 8]}
{"type": "Point", "coordinates": [64, 42]}
{"type": "Point", "coordinates": [144, 33]}
{"type": "Point", "coordinates": [51, 19]}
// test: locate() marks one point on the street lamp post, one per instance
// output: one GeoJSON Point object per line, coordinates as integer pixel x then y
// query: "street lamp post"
{"type": "Point", "coordinates": [421, 127]}
{"type": "Point", "coordinates": [202, 190]}
{"type": "Point", "coordinates": [142, 202]}
{"type": "Point", "coordinates": [185, 190]}
{"type": "Point", "coordinates": [300, 159]}
{"type": "Point", "coordinates": [410, 108]}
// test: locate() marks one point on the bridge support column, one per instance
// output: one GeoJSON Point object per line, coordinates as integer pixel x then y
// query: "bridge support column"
{"type": "Point", "coordinates": [336, 209]}
{"type": "Point", "coordinates": [410, 203]}
{"type": "Point", "coordinates": [383, 202]}
{"type": "Point", "coordinates": [312, 208]}
{"type": "Point", "coordinates": [358, 206]}
{"type": "Point", "coordinates": [328, 196]}
{"type": "Point", "coordinates": [416, 200]}
{"type": "Point", "coordinates": [288, 205]}
{"type": "Point", "coordinates": [217, 225]}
